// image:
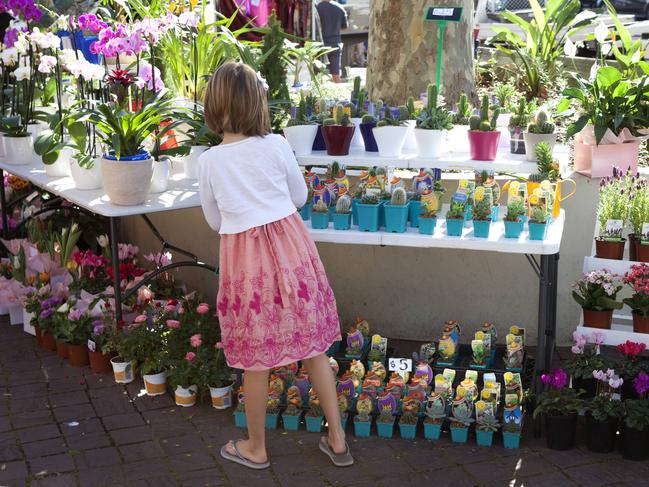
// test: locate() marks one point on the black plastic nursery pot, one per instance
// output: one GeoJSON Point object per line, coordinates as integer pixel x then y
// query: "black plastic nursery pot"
{"type": "Point", "coordinates": [635, 444]}
{"type": "Point", "coordinates": [601, 435]}
{"type": "Point", "coordinates": [561, 431]}
{"type": "Point", "coordinates": [588, 385]}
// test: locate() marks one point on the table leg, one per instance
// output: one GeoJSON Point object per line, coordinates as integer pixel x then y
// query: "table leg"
{"type": "Point", "coordinates": [114, 250]}
{"type": "Point", "coordinates": [3, 205]}
{"type": "Point", "coordinates": [551, 331]}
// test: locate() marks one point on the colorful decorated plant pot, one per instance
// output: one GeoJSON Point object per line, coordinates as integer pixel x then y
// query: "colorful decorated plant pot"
{"type": "Point", "coordinates": [511, 440]}
{"type": "Point", "coordinates": [338, 139]}
{"type": "Point", "coordinates": [355, 203]}
{"type": "Point", "coordinates": [291, 423]}
{"type": "Point", "coordinates": [481, 228]}
{"type": "Point", "coordinates": [483, 146]}
{"type": "Point", "coordinates": [240, 419]}
{"type": "Point", "coordinates": [368, 217]}
{"type": "Point", "coordinates": [432, 431]}
{"type": "Point", "coordinates": [408, 431]}
{"type": "Point", "coordinates": [513, 229]}
{"type": "Point", "coordinates": [538, 230]}
{"type": "Point", "coordinates": [362, 428]}
{"type": "Point", "coordinates": [454, 227]}
{"type": "Point", "coordinates": [414, 209]}
{"type": "Point", "coordinates": [385, 430]}
{"type": "Point", "coordinates": [427, 225]}
{"type": "Point", "coordinates": [313, 424]}
{"type": "Point", "coordinates": [305, 211]}
{"type": "Point", "coordinates": [319, 142]}
{"type": "Point", "coordinates": [396, 217]}
{"type": "Point", "coordinates": [459, 435]}
{"type": "Point", "coordinates": [319, 221]}
{"type": "Point", "coordinates": [368, 136]}
{"type": "Point", "coordinates": [342, 221]}
{"type": "Point", "coordinates": [484, 438]}
{"type": "Point", "coordinates": [271, 421]}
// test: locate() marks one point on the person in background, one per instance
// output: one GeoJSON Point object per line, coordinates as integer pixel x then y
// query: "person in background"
{"type": "Point", "coordinates": [333, 18]}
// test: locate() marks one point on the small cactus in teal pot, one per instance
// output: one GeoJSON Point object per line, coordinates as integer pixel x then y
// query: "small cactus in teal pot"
{"type": "Point", "coordinates": [399, 197]}
{"type": "Point", "coordinates": [344, 205]}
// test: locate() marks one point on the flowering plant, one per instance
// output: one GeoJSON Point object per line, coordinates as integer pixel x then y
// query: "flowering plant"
{"type": "Point", "coordinates": [597, 291]}
{"type": "Point", "coordinates": [638, 279]}
{"type": "Point", "coordinates": [585, 355]}
{"type": "Point", "coordinates": [639, 209]}
{"type": "Point", "coordinates": [557, 399]}
{"type": "Point", "coordinates": [631, 365]}
{"type": "Point", "coordinates": [606, 404]}
{"type": "Point", "coordinates": [91, 273]}
{"type": "Point", "coordinates": [148, 338]}
{"type": "Point", "coordinates": [164, 283]}
{"type": "Point", "coordinates": [72, 325]}
{"type": "Point", "coordinates": [637, 414]}
{"type": "Point", "coordinates": [641, 384]}
{"type": "Point", "coordinates": [614, 193]}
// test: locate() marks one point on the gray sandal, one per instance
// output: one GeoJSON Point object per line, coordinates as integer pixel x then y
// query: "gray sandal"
{"type": "Point", "coordinates": [338, 459]}
{"type": "Point", "coordinates": [240, 459]}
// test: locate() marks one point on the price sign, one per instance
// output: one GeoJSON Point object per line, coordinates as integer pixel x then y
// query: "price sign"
{"type": "Point", "coordinates": [401, 366]}
{"type": "Point", "coordinates": [451, 14]}
{"type": "Point", "coordinates": [92, 346]}
{"type": "Point", "coordinates": [614, 228]}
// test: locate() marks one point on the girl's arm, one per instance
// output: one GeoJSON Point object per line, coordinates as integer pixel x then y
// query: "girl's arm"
{"type": "Point", "coordinates": [208, 202]}
{"type": "Point", "coordinates": [296, 184]}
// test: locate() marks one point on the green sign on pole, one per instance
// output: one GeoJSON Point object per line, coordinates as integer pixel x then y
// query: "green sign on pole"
{"type": "Point", "coordinates": [442, 15]}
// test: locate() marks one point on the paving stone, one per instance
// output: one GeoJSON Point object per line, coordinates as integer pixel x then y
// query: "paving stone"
{"type": "Point", "coordinates": [131, 435]}
{"type": "Point", "coordinates": [100, 457]}
{"type": "Point", "coordinates": [37, 433]}
{"type": "Point", "coordinates": [147, 403]}
{"type": "Point", "coordinates": [88, 442]}
{"type": "Point", "coordinates": [112, 476]}
{"type": "Point", "coordinates": [33, 418]}
{"type": "Point", "coordinates": [10, 471]}
{"type": "Point", "coordinates": [82, 427]}
{"type": "Point", "coordinates": [68, 398]}
{"type": "Point", "coordinates": [187, 462]}
{"type": "Point", "coordinates": [100, 381]}
{"type": "Point", "coordinates": [105, 406]}
{"type": "Point", "coordinates": [164, 481]}
{"type": "Point", "coordinates": [204, 478]}
{"type": "Point", "coordinates": [74, 413]}
{"type": "Point", "coordinates": [141, 451]}
{"type": "Point", "coordinates": [5, 424]}
{"type": "Point", "coordinates": [44, 447]}
{"type": "Point", "coordinates": [65, 480]}
{"type": "Point", "coordinates": [602, 474]}
{"type": "Point", "coordinates": [52, 464]}
{"type": "Point", "coordinates": [182, 444]}
{"type": "Point", "coordinates": [119, 421]}
{"type": "Point", "coordinates": [145, 469]}
{"type": "Point", "coordinates": [302, 479]}
{"type": "Point", "coordinates": [30, 404]}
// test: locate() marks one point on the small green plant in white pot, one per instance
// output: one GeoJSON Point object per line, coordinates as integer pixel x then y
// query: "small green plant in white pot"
{"type": "Point", "coordinates": [301, 129]}
{"type": "Point", "coordinates": [540, 130]}
{"type": "Point", "coordinates": [432, 124]}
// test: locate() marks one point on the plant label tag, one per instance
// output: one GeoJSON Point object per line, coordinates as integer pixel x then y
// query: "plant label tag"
{"type": "Point", "coordinates": [452, 14]}
{"type": "Point", "coordinates": [92, 346]}
{"type": "Point", "coordinates": [614, 228]}
{"type": "Point", "coordinates": [489, 377]}
{"type": "Point", "coordinates": [401, 366]}
{"type": "Point", "coordinates": [645, 232]}
{"type": "Point", "coordinates": [380, 343]}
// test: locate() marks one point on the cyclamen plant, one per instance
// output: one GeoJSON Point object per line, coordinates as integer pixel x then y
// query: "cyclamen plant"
{"type": "Point", "coordinates": [597, 291]}
{"type": "Point", "coordinates": [606, 404]}
{"type": "Point", "coordinates": [585, 355]}
{"type": "Point", "coordinates": [631, 365]}
{"type": "Point", "coordinates": [638, 279]}
{"type": "Point", "coordinates": [557, 399]}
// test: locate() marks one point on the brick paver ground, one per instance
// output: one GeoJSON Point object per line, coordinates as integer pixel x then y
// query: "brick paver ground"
{"type": "Point", "coordinates": [62, 426]}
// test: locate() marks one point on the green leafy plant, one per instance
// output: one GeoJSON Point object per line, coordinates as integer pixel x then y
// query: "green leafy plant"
{"type": "Point", "coordinates": [483, 122]}
{"type": "Point", "coordinates": [638, 279]}
{"type": "Point", "coordinates": [434, 116]}
{"type": "Point", "coordinates": [546, 165]}
{"type": "Point", "coordinates": [273, 69]}
{"type": "Point", "coordinates": [637, 414]}
{"type": "Point", "coordinates": [614, 203]}
{"type": "Point", "coordinates": [504, 92]}
{"type": "Point", "coordinates": [71, 326]}
{"type": "Point", "coordinates": [521, 117]}
{"type": "Point", "coordinates": [390, 121]}
{"type": "Point", "coordinates": [370, 199]}
{"type": "Point", "coordinates": [540, 214]}
{"type": "Point", "coordinates": [456, 211]}
{"type": "Point", "coordinates": [463, 113]}
{"type": "Point", "coordinates": [301, 114]}
{"type": "Point", "coordinates": [308, 55]}
{"type": "Point", "coordinates": [639, 204]}
{"type": "Point", "coordinates": [557, 399]}
{"type": "Point", "coordinates": [481, 210]}
{"type": "Point", "coordinates": [603, 407]}
{"type": "Point", "coordinates": [487, 422]}
{"type": "Point", "coordinates": [515, 210]}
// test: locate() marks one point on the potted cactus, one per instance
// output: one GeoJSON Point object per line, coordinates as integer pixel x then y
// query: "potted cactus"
{"type": "Point", "coordinates": [540, 130]}
{"type": "Point", "coordinates": [517, 125]}
{"type": "Point", "coordinates": [408, 425]}
{"type": "Point", "coordinates": [343, 215]}
{"type": "Point", "coordinates": [314, 415]}
{"type": "Point", "coordinates": [301, 130]}
{"type": "Point", "coordinates": [432, 124]}
{"type": "Point", "coordinates": [368, 213]}
{"type": "Point", "coordinates": [538, 223]}
{"type": "Point", "coordinates": [366, 127]}
{"type": "Point", "coordinates": [514, 218]}
{"type": "Point", "coordinates": [481, 212]}
{"type": "Point", "coordinates": [460, 120]}
{"type": "Point", "coordinates": [385, 424]}
{"type": "Point", "coordinates": [483, 135]}
{"type": "Point", "coordinates": [390, 133]}
{"type": "Point", "coordinates": [320, 215]}
{"type": "Point", "coordinates": [363, 420]}
{"type": "Point", "coordinates": [358, 97]}
{"type": "Point", "coordinates": [427, 221]}
{"type": "Point", "coordinates": [455, 218]}
{"type": "Point", "coordinates": [396, 212]}
{"type": "Point", "coordinates": [293, 413]}
{"type": "Point", "coordinates": [338, 132]}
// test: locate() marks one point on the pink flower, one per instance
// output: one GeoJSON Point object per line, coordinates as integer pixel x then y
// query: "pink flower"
{"type": "Point", "coordinates": [181, 311]}
{"type": "Point", "coordinates": [203, 308]}
{"type": "Point", "coordinates": [195, 340]}
{"type": "Point", "coordinates": [144, 295]}
{"type": "Point", "coordinates": [173, 324]}
{"type": "Point", "coordinates": [190, 356]}
{"type": "Point", "coordinates": [219, 345]}
{"type": "Point", "coordinates": [170, 308]}
{"type": "Point", "coordinates": [140, 319]}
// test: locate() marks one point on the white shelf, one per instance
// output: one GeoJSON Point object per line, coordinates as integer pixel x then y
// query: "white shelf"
{"type": "Point", "coordinates": [617, 334]}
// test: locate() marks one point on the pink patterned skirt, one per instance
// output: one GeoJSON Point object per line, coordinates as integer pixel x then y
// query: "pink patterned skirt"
{"type": "Point", "coordinates": [275, 305]}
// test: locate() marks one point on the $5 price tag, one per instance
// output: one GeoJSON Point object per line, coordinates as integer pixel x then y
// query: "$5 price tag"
{"type": "Point", "coordinates": [401, 366]}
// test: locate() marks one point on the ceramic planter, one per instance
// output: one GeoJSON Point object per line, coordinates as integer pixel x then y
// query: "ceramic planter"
{"type": "Point", "coordinates": [319, 221]}
{"type": "Point", "coordinates": [190, 161]}
{"type": "Point", "coordinates": [635, 443]}
{"type": "Point", "coordinates": [538, 231]}
{"type": "Point", "coordinates": [186, 396]}
{"type": "Point", "coordinates": [357, 140]}
{"type": "Point", "coordinates": [410, 144]}
{"type": "Point", "coordinates": [62, 349]}
{"type": "Point", "coordinates": [459, 435]}
{"type": "Point", "coordinates": [271, 421]}
{"type": "Point", "coordinates": [516, 141]}
{"type": "Point", "coordinates": [160, 178]}
{"type": "Point", "coordinates": [454, 227]}
{"type": "Point", "coordinates": [338, 138]}
{"type": "Point", "coordinates": [427, 225]}
{"type": "Point", "coordinates": [481, 228]}
{"type": "Point", "coordinates": [598, 319]}
{"type": "Point", "coordinates": [61, 167]}
{"type": "Point", "coordinates": [123, 371]}
{"type": "Point", "coordinates": [368, 217]}
{"type": "Point", "coordinates": [561, 431]}
{"type": "Point", "coordinates": [99, 363]}
{"type": "Point", "coordinates": [396, 218]}
{"type": "Point", "coordinates": [291, 423]}
{"type": "Point", "coordinates": [127, 182]}
{"type": "Point", "coordinates": [390, 140]}
{"type": "Point", "coordinates": [342, 221]}
{"type": "Point", "coordinates": [429, 142]}
{"type": "Point", "coordinates": [385, 430]}
{"type": "Point", "coordinates": [483, 146]}
{"type": "Point", "coordinates": [511, 440]}
{"type": "Point", "coordinates": [221, 397]}
{"type": "Point", "coordinates": [305, 211]}
{"type": "Point", "coordinates": [240, 419]}
{"type": "Point", "coordinates": [456, 138]}
{"type": "Point", "coordinates": [18, 150]}
{"type": "Point", "coordinates": [414, 209]}
{"type": "Point", "coordinates": [601, 435]}
{"type": "Point", "coordinates": [155, 384]}
{"type": "Point", "coordinates": [408, 431]}
{"type": "Point", "coordinates": [640, 323]}
{"type": "Point", "coordinates": [432, 431]}
{"type": "Point", "coordinates": [86, 179]}
{"type": "Point", "coordinates": [313, 423]}
{"type": "Point", "coordinates": [362, 428]}
{"type": "Point", "coordinates": [319, 141]}
{"type": "Point", "coordinates": [368, 136]}
{"type": "Point", "coordinates": [532, 140]}
{"type": "Point", "coordinates": [301, 138]}
{"type": "Point", "coordinates": [513, 229]}
{"type": "Point", "coordinates": [597, 161]}
{"type": "Point", "coordinates": [48, 342]}
{"type": "Point", "coordinates": [484, 438]}
{"type": "Point", "coordinates": [605, 249]}
{"type": "Point", "coordinates": [16, 314]}
{"type": "Point", "coordinates": [78, 355]}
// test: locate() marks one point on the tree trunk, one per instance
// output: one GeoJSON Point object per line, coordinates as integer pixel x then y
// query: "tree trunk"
{"type": "Point", "coordinates": [403, 47]}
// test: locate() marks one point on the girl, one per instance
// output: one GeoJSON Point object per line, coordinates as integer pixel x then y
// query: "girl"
{"type": "Point", "coordinates": [274, 303]}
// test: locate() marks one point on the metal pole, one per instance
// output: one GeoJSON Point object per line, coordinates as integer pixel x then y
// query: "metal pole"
{"type": "Point", "coordinates": [543, 319]}
{"type": "Point", "coordinates": [114, 250]}
{"type": "Point", "coordinates": [3, 204]}
{"type": "Point", "coordinates": [551, 332]}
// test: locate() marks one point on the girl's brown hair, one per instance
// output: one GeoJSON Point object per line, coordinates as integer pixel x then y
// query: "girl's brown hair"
{"type": "Point", "coordinates": [235, 101]}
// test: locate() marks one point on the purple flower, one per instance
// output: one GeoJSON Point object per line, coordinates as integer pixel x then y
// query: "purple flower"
{"type": "Point", "coordinates": [45, 314]}
{"type": "Point", "coordinates": [11, 36]}
{"type": "Point", "coordinates": [98, 328]}
{"type": "Point", "coordinates": [641, 384]}
{"type": "Point", "coordinates": [557, 379]}
{"type": "Point", "coordinates": [74, 314]}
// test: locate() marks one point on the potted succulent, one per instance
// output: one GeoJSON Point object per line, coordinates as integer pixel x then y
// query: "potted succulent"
{"type": "Point", "coordinates": [390, 133]}
{"type": "Point", "coordinates": [538, 223]}
{"type": "Point", "coordinates": [483, 133]}
{"type": "Point", "coordinates": [481, 212]}
{"type": "Point", "coordinates": [385, 424]}
{"type": "Point", "coordinates": [540, 130]}
{"type": "Point", "coordinates": [357, 105]}
{"type": "Point", "coordinates": [596, 293]}
{"type": "Point", "coordinates": [314, 415]}
{"type": "Point", "coordinates": [396, 212]}
{"type": "Point", "coordinates": [432, 124]}
{"type": "Point", "coordinates": [366, 127]}
{"type": "Point", "coordinates": [435, 415]}
{"type": "Point", "coordinates": [512, 420]}
{"type": "Point", "coordinates": [638, 216]}
{"type": "Point", "coordinates": [272, 410]}
{"type": "Point", "coordinates": [585, 358]}
{"type": "Point", "coordinates": [486, 423]}
{"type": "Point", "coordinates": [517, 125]}
{"type": "Point", "coordinates": [457, 135]}
{"type": "Point", "coordinates": [363, 420]}
{"type": "Point", "coordinates": [461, 418]}
{"type": "Point", "coordinates": [343, 215]}
{"type": "Point", "coordinates": [320, 215]}
{"type": "Point", "coordinates": [514, 217]}
{"type": "Point", "coordinates": [559, 405]}
{"type": "Point", "coordinates": [338, 132]}
{"type": "Point", "coordinates": [603, 412]}
{"type": "Point", "coordinates": [455, 218]}
{"type": "Point", "coordinates": [638, 279]}
{"type": "Point", "coordinates": [301, 130]}
{"type": "Point", "coordinates": [368, 213]}
{"type": "Point", "coordinates": [408, 425]}
{"type": "Point", "coordinates": [612, 214]}
{"type": "Point", "coordinates": [293, 413]}
{"type": "Point", "coordinates": [635, 429]}
{"type": "Point", "coordinates": [427, 220]}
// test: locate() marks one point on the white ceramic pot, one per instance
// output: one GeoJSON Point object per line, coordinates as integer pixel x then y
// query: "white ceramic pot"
{"type": "Point", "coordinates": [390, 140]}
{"type": "Point", "coordinates": [191, 161]}
{"type": "Point", "coordinates": [301, 137]}
{"type": "Point", "coordinates": [221, 397]}
{"type": "Point", "coordinates": [16, 314]}
{"type": "Point", "coordinates": [18, 150]}
{"type": "Point", "coordinates": [155, 384]}
{"type": "Point", "coordinates": [61, 168]}
{"type": "Point", "coordinates": [457, 138]}
{"type": "Point", "coordinates": [186, 397]}
{"type": "Point", "coordinates": [429, 142]}
{"type": "Point", "coordinates": [123, 371]}
{"type": "Point", "coordinates": [27, 323]}
{"type": "Point", "coordinates": [160, 178]}
{"type": "Point", "coordinates": [532, 140]}
{"type": "Point", "coordinates": [357, 139]}
{"type": "Point", "coordinates": [410, 144]}
{"type": "Point", "coordinates": [86, 179]}
{"type": "Point", "coordinates": [127, 183]}
{"type": "Point", "coordinates": [37, 128]}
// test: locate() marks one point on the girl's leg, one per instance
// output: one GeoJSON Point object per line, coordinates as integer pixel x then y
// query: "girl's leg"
{"type": "Point", "coordinates": [322, 378]}
{"type": "Point", "coordinates": [255, 387]}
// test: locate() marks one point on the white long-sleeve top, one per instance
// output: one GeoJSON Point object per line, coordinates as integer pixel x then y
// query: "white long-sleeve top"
{"type": "Point", "coordinates": [249, 183]}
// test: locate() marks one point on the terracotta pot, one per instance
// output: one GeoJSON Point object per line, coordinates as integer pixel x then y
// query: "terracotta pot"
{"type": "Point", "coordinates": [483, 145]}
{"type": "Point", "coordinates": [48, 342]}
{"type": "Point", "coordinates": [641, 252]}
{"type": "Point", "coordinates": [598, 319]}
{"type": "Point", "coordinates": [39, 335]}
{"type": "Point", "coordinates": [609, 250]}
{"type": "Point", "coordinates": [78, 355]}
{"type": "Point", "coordinates": [99, 363]}
{"type": "Point", "coordinates": [337, 138]}
{"type": "Point", "coordinates": [62, 349]}
{"type": "Point", "coordinates": [640, 323]}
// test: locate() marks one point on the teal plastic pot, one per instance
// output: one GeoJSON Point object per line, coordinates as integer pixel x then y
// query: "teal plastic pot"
{"type": "Point", "coordinates": [513, 229]}
{"type": "Point", "coordinates": [494, 213]}
{"type": "Point", "coordinates": [459, 435]}
{"type": "Point", "coordinates": [385, 430]}
{"type": "Point", "coordinates": [414, 209]}
{"type": "Point", "coordinates": [342, 221]}
{"type": "Point", "coordinates": [511, 440]}
{"type": "Point", "coordinates": [319, 221]}
{"type": "Point", "coordinates": [332, 212]}
{"type": "Point", "coordinates": [396, 217]}
{"type": "Point", "coordinates": [240, 419]}
{"type": "Point", "coordinates": [408, 431]}
{"type": "Point", "coordinates": [355, 203]}
{"type": "Point", "coordinates": [382, 213]}
{"type": "Point", "coordinates": [291, 423]}
{"type": "Point", "coordinates": [454, 228]}
{"type": "Point", "coordinates": [432, 431]}
{"type": "Point", "coordinates": [362, 428]}
{"type": "Point", "coordinates": [305, 211]}
{"type": "Point", "coordinates": [368, 217]}
{"type": "Point", "coordinates": [427, 225]}
{"type": "Point", "coordinates": [271, 421]}
{"type": "Point", "coordinates": [333, 349]}
{"type": "Point", "coordinates": [484, 438]}
{"type": "Point", "coordinates": [481, 228]}
{"type": "Point", "coordinates": [313, 424]}
{"type": "Point", "coordinates": [343, 421]}
{"type": "Point", "coordinates": [538, 230]}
